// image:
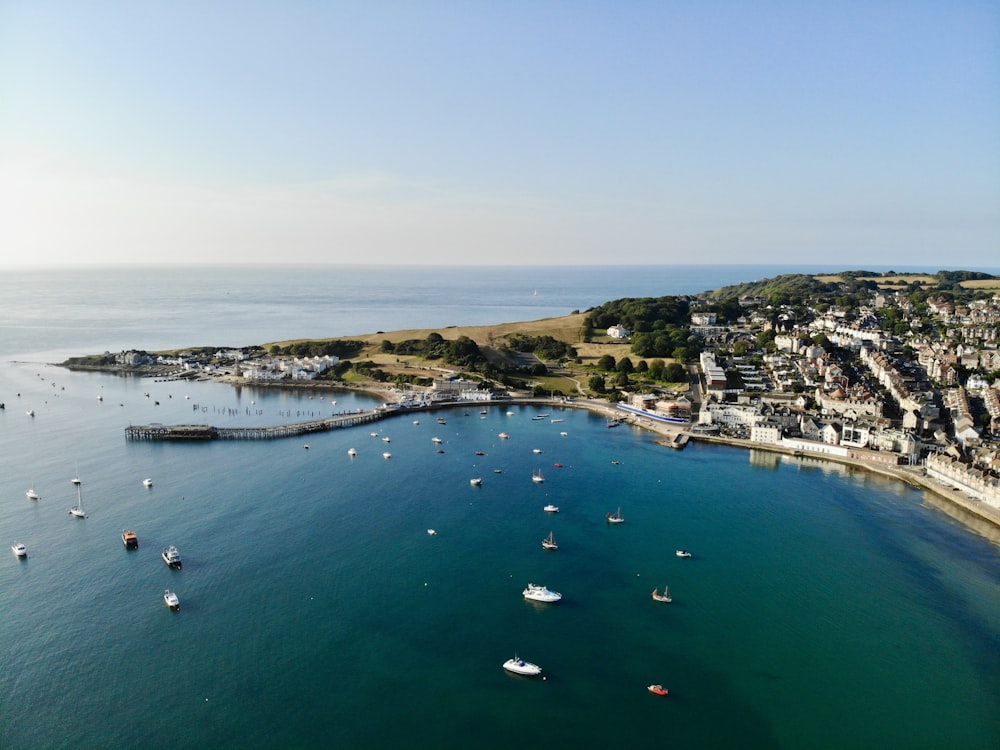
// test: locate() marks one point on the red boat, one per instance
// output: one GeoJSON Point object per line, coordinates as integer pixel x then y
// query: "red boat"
{"type": "Point", "coordinates": [657, 690]}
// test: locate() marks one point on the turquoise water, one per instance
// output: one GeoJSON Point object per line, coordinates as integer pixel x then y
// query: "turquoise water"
{"type": "Point", "coordinates": [822, 608]}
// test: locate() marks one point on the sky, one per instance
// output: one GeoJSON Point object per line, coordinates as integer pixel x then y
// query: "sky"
{"type": "Point", "coordinates": [847, 133]}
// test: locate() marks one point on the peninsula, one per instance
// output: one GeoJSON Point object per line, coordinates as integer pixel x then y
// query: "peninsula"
{"type": "Point", "coordinates": [893, 373]}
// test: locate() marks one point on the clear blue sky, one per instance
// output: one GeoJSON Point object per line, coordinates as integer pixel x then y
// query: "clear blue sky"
{"type": "Point", "coordinates": [513, 132]}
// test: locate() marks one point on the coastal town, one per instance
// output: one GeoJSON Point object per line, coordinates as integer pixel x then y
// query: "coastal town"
{"type": "Point", "coordinates": [892, 373]}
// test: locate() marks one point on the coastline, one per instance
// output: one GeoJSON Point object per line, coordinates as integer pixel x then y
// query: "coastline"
{"type": "Point", "coordinates": [970, 512]}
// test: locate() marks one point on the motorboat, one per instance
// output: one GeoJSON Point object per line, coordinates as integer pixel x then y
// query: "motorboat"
{"type": "Point", "coordinates": [480, 453]}
{"type": "Point", "coordinates": [558, 465]}
{"type": "Point", "coordinates": [172, 557]}
{"type": "Point", "coordinates": [171, 600]}
{"type": "Point", "coordinates": [510, 414]}
{"type": "Point", "coordinates": [536, 450]}
{"type": "Point", "coordinates": [541, 594]}
{"type": "Point", "coordinates": [129, 539]}
{"type": "Point", "coordinates": [616, 517]}
{"type": "Point", "coordinates": [503, 436]}
{"type": "Point", "coordinates": [386, 439]}
{"type": "Point", "coordinates": [664, 597]}
{"type": "Point", "coordinates": [564, 434]}
{"type": "Point", "coordinates": [682, 553]}
{"type": "Point", "coordinates": [476, 481]}
{"type": "Point", "coordinates": [537, 477]}
{"type": "Point", "coordinates": [658, 690]}
{"type": "Point", "coordinates": [19, 549]}
{"type": "Point", "coordinates": [436, 440]}
{"type": "Point", "coordinates": [549, 542]}
{"type": "Point", "coordinates": [387, 455]}
{"type": "Point", "coordinates": [31, 494]}
{"type": "Point", "coordinates": [147, 482]}
{"type": "Point", "coordinates": [352, 452]}
{"type": "Point", "coordinates": [550, 508]}
{"type": "Point", "coordinates": [432, 532]}
{"type": "Point", "coordinates": [520, 666]}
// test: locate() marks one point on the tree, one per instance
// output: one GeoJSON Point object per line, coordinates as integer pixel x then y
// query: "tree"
{"type": "Point", "coordinates": [596, 384]}
{"type": "Point", "coordinates": [642, 367]}
{"type": "Point", "coordinates": [625, 366]}
{"type": "Point", "coordinates": [675, 372]}
{"type": "Point", "coordinates": [606, 363]}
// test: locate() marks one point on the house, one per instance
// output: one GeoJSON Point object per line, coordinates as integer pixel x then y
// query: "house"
{"type": "Point", "coordinates": [618, 333]}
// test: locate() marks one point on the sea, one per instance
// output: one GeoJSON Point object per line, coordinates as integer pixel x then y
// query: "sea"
{"type": "Point", "coordinates": [822, 607]}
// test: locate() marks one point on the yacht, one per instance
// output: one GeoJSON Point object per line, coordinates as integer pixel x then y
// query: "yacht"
{"type": "Point", "coordinates": [536, 477]}
{"type": "Point", "coordinates": [31, 494]}
{"type": "Point", "coordinates": [503, 436]}
{"type": "Point", "coordinates": [536, 450]}
{"type": "Point", "coordinates": [172, 557]}
{"type": "Point", "coordinates": [664, 597]}
{"type": "Point", "coordinates": [436, 440]}
{"type": "Point", "coordinates": [147, 482]}
{"type": "Point", "coordinates": [540, 594]}
{"type": "Point", "coordinates": [171, 600]}
{"type": "Point", "coordinates": [352, 452]}
{"type": "Point", "coordinates": [387, 455]}
{"type": "Point", "coordinates": [476, 482]}
{"type": "Point", "coordinates": [616, 517]}
{"type": "Point", "coordinates": [549, 542]}
{"type": "Point", "coordinates": [682, 553]}
{"type": "Point", "coordinates": [658, 690]}
{"type": "Point", "coordinates": [19, 549]}
{"type": "Point", "coordinates": [520, 666]}
{"type": "Point", "coordinates": [129, 539]}
{"type": "Point", "coordinates": [550, 508]}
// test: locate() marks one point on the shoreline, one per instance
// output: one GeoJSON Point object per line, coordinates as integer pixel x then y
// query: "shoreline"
{"type": "Point", "coordinates": [970, 512]}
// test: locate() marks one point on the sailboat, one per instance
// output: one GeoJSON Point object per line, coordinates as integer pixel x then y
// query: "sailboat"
{"type": "Point", "coordinates": [77, 510]}
{"type": "Point", "coordinates": [536, 477]}
{"type": "Point", "coordinates": [549, 542]}
{"type": "Point", "coordinates": [616, 517]}
{"type": "Point", "coordinates": [31, 494]}
{"type": "Point", "coordinates": [664, 597]}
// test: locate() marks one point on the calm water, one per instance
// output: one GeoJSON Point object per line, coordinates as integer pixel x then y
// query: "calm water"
{"type": "Point", "coordinates": [822, 608]}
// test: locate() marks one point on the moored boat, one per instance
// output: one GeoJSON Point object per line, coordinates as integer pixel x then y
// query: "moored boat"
{"type": "Point", "coordinates": [682, 553]}
{"type": "Point", "coordinates": [664, 597]}
{"type": "Point", "coordinates": [19, 549]}
{"type": "Point", "coordinates": [387, 455]}
{"type": "Point", "coordinates": [129, 539]}
{"type": "Point", "coordinates": [476, 481]}
{"type": "Point", "coordinates": [30, 493]}
{"type": "Point", "coordinates": [658, 690]}
{"type": "Point", "coordinates": [172, 557]}
{"type": "Point", "coordinates": [549, 542]}
{"type": "Point", "coordinates": [541, 594]}
{"type": "Point", "coordinates": [550, 508]}
{"type": "Point", "coordinates": [147, 482]}
{"type": "Point", "coordinates": [171, 600]}
{"type": "Point", "coordinates": [537, 477]}
{"type": "Point", "coordinates": [616, 517]}
{"type": "Point", "coordinates": [352, 452]}
{"type": "Point", "coordinates": [520, 666]}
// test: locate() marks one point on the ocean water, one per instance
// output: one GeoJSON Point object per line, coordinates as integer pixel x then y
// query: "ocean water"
{"type": "Point", "coordinates": [822, 607]}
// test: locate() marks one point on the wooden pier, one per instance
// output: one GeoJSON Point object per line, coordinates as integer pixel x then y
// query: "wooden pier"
{"type": "Point", "coordinates": [189, 432]}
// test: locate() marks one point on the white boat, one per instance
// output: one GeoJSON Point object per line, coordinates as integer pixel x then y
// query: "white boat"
{"type": "Point", "coordinates": [664, 597]}
{"type": "Point", "coordinates": [550, 508]}
{"type": "Point", "coordinates": [549, 542]}
{"type": "Point", "coordinates": [351, 452]}
{"type": "Point", "coordinates": [616, 517]}
{"type": "Point", "coordinates": [30, 412]}
{"type": "Point", "coordinates": [564, 434]}
{"type": "Point", "coordinates": [172, 557]}
{"type": "Point", "coordinates": [556, 421]}
{"type": "Point", "coordinates": [541, 594]}
{"type": "Point", "coordinates": [536, 477]}
{"type": "Point", "coordinates": [682, 553]}
{"type": "Point", "coordinates": [436, 440]}
{"type": "Point", "coordinates": [147, 482]}
{"type": "Point", "coordinates": [476, 481]}
{"type": "Point", "coordinates": [171, 600]}
{"type": "Point", "coordinates": [77, 510]}
{"type": "Point", "coordinates": [387, 455]}
{"type": "Point", "coordinates": [520, 666]}
{"type": "Point", "coordinates": [503, 436]}
{"type": "Point", "coordinates": [19, 549]}
{"type": "Point", "coordinates": [536, 450]}
{"type": "Point", "coordinates": [432, 532]}
{"type": "Point", "coordinates": [386, 440]}
{"type": "Point", "coordinates": [31, 494]}
{"type": "Point", "coordinates": [510, 414]}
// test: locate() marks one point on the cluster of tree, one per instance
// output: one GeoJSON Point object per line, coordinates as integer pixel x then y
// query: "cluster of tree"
{"type": "Point", "coordinates": [544, 347]}
{"type": "Point", "coordinates": [657, 369]}
{"type": "Point", "coordinates": [640, 314]}
{"type": "Point", "coordinates": [462, 352]}
{"type": "Point", "coordinates": [341, 348]}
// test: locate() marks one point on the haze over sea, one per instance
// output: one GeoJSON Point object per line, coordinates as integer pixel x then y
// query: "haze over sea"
{"type": "Point", "coordinates": [823, 608]}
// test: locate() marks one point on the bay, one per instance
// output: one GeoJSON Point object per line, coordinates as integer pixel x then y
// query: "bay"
{"type": "Point", "coordinates": [822, 607]}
